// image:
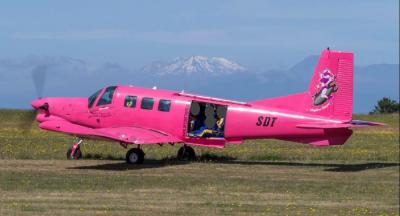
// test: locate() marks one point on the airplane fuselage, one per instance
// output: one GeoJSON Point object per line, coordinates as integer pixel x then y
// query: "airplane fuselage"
{"type": "Point", "coordinates": [242, 120]}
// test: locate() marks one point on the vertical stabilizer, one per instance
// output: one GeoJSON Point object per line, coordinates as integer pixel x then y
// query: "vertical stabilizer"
{"type": "Point", "coordinates": [330, 93]}
{"type": "Point", "coordinates": [331, 87]}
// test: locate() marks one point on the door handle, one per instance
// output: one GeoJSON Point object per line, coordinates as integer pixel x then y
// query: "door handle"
{"type": "Point", "coordinates": [104, 108]}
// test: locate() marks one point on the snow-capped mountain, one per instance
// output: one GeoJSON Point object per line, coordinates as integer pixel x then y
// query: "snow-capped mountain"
{"type": "Point", "coordinates": [194, 65]}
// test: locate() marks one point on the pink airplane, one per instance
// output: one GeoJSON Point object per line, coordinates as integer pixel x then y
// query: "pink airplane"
{"type": "Point", "coordinates": [321, 116]}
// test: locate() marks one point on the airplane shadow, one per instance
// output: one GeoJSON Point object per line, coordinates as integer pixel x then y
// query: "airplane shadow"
{"type": "Point", "coordinates": [329, 167]}
{"type": "Point", "coordinates": [148, 164]}
{"type": "Point", "coordinates": [123, 166]}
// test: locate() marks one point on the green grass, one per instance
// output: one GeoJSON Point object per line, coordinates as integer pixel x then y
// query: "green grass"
{"type": "Point", "coordinates": [20, 139]}
{"type": "Point", "coordinates": [263, 177]}
{"type": "Point", "coordinates": [56, 187]}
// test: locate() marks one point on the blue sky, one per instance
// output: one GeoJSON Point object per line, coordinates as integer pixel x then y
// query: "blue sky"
{"type": "Point", "coordinates": [253, 32]}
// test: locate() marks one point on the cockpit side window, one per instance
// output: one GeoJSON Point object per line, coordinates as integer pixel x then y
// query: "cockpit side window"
{"type": "Point", "coordinates": [107, 96]}
{"type": "Point", "coordinates": [92, 98]}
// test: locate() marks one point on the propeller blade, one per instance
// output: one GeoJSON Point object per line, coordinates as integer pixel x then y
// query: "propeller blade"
{"type": "Point", "coordinates": [39, 78]}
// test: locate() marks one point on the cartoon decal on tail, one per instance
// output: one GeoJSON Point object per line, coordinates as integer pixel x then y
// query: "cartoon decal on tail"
{"type": "Point", "coordinates": [325, 88]}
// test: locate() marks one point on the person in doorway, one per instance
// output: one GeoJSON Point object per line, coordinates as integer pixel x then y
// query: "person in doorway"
{"type": "Point", "coordinates": [216, 131]}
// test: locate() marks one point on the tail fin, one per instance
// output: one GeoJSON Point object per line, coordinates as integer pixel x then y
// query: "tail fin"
{"type": "Point", "coordinates": [331, 87]}
{"type": "Point", "coordinates": [330, 93]}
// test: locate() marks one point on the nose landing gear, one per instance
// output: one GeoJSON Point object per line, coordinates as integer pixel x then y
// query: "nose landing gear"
{"type": "Point", "coordinates": [74, 152]}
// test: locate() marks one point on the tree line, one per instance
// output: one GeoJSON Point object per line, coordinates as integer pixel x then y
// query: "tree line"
{"type": "Point", "coordinates": [385, 106]}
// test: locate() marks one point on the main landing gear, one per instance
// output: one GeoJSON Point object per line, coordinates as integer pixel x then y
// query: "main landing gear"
{"type": "Point", "coordinates": [186, 153]}
{"type": "Point", "coordinates": [74, 152]}
{"type": "Point", "coordinates": [135, 156]}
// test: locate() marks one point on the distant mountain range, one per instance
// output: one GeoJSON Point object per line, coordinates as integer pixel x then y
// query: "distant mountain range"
{"type": "Point", "coordinates": [193, 65]}
{"type": "Point", "coordinates": [214, 76]}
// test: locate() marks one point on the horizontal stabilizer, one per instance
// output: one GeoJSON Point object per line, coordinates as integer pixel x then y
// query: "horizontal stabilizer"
{"type": "Point", "coordinates": [351, 124]}
{"type": "Point", "coordinates": [323, 126]}
{"type": "Point", "coordinates": [360, 123]}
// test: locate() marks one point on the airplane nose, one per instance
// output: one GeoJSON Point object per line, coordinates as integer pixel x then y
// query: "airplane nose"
{"type": "Point", "coordinates": [40, 104]}
{"type": "Point", "coordinates": [36, 103]}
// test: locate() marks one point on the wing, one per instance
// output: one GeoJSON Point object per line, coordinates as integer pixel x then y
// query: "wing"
{"type": "Point", "coordinates": [134, 135]}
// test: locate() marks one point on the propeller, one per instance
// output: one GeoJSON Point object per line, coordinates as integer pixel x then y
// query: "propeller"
{"type": "Point", "coordinates": [39, 78]}
{"type": "Point", "coordinates": [28, 118]}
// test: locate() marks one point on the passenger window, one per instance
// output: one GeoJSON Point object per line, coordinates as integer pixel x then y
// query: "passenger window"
{"type": "Point", "coordinates": [164, 105]}
{"type": "Point", "coordinates": [130, 101]}
{"type": "Point", "coordinates": [147, 103]}
{"type": "Point", "coordinates": [107, 96]}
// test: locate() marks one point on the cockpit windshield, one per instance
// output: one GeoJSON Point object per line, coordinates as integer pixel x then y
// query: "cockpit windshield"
{"type": "Point", "coordinates": [92, 98]}
{"type": "Point", "coordinates": [107, 96]}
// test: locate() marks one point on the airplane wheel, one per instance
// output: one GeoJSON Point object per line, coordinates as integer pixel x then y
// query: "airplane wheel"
{"type": "Point", "coordinates": [76, 156]}
{"type": "Point", "coordinates": [135, 156]}
{"type": "Point", "coordinates": [186, 153]}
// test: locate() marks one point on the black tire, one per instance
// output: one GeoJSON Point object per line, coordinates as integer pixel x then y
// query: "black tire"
{"type": "Point", "coordinates": [135, 156]}
{"type": "Point", "coordinates": [186, 153]}
{"type": "Point", "coordinates": [76, 156]}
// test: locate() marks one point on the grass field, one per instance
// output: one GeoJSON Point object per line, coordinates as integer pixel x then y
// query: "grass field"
{"type": "Point", "coordinates": [263, 177]}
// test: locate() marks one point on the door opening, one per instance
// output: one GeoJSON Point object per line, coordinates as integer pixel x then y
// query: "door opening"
{"type": "Point", "coordinates": [206, 120]}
